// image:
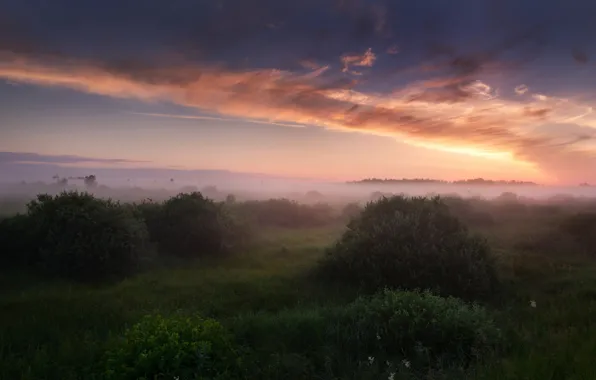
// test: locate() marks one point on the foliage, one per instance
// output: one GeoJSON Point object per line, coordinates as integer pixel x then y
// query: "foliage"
{"type": "Point", "coordinates": [421, 327]}
{"type": "Point", "coordinates": [16, 241]}
{"type": "Point", "coordinates": [190, 225]}
{"type": "Point", "coordinates": [286, 213]}
{"type": "Point", "coordinates": [412, 243]}
{"type": "Point", "coordinates": [351, 210]}
{"type": "Point", "coordinates": [424, 329]}
{"type": "Point", "coordinates": [173, 348]}
{"type": "Point", "coordinates": [581, 228]}
{"type": "Point", "coordinates": [85, 238]}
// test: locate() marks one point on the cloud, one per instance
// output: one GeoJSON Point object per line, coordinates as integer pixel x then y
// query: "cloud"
{"type": "Point", "coordinates": [367, 59]}
{"type": "Point", "coordinates": [521, 89]}
{"type": "Point", "coordinates": [247, 61]}
{"type": "Point", "coordinates": [23, 157]}
{"type": "Point", "coordinates": [222, 119]}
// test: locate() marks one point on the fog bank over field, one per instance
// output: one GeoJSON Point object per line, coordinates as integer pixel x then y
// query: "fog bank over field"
{"type": "Point", "coordinates": [28, 180]}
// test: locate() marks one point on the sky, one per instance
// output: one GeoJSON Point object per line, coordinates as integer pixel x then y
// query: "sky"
{"type": "Point", "coordinates": [327, 89]}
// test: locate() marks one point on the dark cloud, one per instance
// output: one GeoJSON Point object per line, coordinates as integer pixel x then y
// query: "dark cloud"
{"type": "Point", "coordinates": [19, 157]}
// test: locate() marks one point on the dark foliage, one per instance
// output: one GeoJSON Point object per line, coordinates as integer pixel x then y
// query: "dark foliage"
{"type": "Point", "coordinates": [412, 243]}
{"type": "Point", "coordinates": [351, 210]}
{"type": "Point", "coordinates": [380, 331]}
{"type": "Point", "coordinates": [82, 237]}
{"type": "Point", "coordinates": [581, 228]}
{"type": "Point", "coordinates": [190, 225]}
{"type": "Point", "coordinates": [16, 240]}
{"type": "Point", "coordinates": [286, 213]}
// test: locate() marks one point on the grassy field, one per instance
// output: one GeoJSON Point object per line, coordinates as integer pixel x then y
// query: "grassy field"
{"type": "Point", "coordinates": [52, 330]}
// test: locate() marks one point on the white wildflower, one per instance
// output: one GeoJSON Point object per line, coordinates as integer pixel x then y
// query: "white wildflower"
{"type": "Point", "coordinates": [378, 336]}
{"type": "Point", "coordinates": [371, 360]}
{"type": "Point", "coordinates": [532, 303]}
{"type": "Point", "coordinates": [406, 363]}
{"type": "Point", "coordinates": [391, 376]}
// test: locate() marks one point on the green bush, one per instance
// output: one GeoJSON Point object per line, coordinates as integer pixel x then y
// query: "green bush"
{"type": "Point", "coordinates": [412, 243]}
{"type": "Point", "coordinates": [420, 327]}
{"type": "Point", "coordinates": [390, 327]}
{"type": "Point", "coordinates": [190, 225]}
{"type": "Point", "coordinates": [173, 348]}
{"type": "Point", "coordinates": [82, 237]}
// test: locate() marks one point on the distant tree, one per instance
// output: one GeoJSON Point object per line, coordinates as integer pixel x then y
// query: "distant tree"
{"type": "Point", "coordinates": [231, 198]}
{"type": "Point", "coordinates": [90, 181]}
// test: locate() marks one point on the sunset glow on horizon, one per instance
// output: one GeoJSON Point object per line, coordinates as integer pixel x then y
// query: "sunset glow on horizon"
{"type": "Point", "coordinates": [335, 90]}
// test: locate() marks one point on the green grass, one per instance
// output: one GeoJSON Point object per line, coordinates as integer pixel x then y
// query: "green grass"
{"type": "Point", "coordinates": [51, 330]}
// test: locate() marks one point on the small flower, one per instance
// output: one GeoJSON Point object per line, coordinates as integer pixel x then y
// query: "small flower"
{"type": "Point", "coordinates": [532, 303]}
{"type": "Point", "coordinates": [371, 360]}
{"type": "Point", "coordinates": [388, 363]}
{"type": "Point", "coordinates": [391, 376]}
{"type": "Point", "coordinates": [378, 336]}
{"type": "Point", "coordinates": [406, 363]}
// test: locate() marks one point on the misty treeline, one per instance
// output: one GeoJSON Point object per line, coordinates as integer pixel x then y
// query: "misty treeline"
{"type": "Point", "coordinates": [83, 236]}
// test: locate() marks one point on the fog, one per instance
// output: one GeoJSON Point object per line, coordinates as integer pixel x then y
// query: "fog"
{"type": "Point", "coordinates": [244, 187]}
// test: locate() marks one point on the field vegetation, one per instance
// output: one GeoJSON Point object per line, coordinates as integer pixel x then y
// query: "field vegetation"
{"type": "Point", "coordinates": [212, 287]}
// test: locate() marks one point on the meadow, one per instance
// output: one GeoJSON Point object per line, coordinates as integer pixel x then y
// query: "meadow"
{"type": "Point", "coordinates": [276, 316]}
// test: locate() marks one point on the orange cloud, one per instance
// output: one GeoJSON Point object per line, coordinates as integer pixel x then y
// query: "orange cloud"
{"type": "Point", "coordinates": [479, 122]}
{"type": "Point", "coordinates": [365, 60]}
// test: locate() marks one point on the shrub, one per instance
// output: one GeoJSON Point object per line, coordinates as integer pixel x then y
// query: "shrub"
{"type": "Point", "coordinates": [16, 240]}
{"type": "Point", "coordinates": [173, 348]}
{"type": "Point", "coordinates": [421, 327]}
{"type": "Point", "coordinates": [86, 238]}
{"type": "Point", "coordinates": [190, 225]}
{"type": "Point", "coordinates": [425, 329]}
{"type": "Point", "coordinates": [151, 213]}
{"type": "Point", "coordinates": [412, 243]}
{"type": "Point", "coordinates": [351, 210]}
{"type": "Point", "coordinates": [286, 213]}
{"type": "Point", "coordinates": [581, 228]}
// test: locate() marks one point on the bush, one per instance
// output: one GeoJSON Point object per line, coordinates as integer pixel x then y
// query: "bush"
{"type": "Point", "coordinates": [412, 243]}
{"type": "Point", "coordinates": [421, 327]}
{"type": "Point", "coordinates": [286, 213]}
{"type": "Point", "coordinates": [85, 238]}
{"type": "Point", "coordinates": [424, 329]}
{"type": "Point", "coordinates": [581, 228]}
{"type": "Point", "coordinates": [16, 240]}
{"type": "Point", "coordinates": [350, 211]}
{"type": "Point", "coordinates": [190, 225]}
{"type": "Point", "coordinates": [173, 348]}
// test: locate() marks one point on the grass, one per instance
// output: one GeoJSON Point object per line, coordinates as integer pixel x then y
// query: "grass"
{"type": "Point", "coordinates": [50, 330]}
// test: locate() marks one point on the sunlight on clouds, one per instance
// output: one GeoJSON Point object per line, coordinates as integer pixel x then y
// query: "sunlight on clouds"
{"type": "Point", "coordinates": [459, 116]}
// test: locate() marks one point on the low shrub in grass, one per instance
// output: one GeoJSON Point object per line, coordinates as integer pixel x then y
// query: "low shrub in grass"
{"type": "Point", "coordinates": [86, 238]}
{"type": "Point", "coordinates": [412, 243]}
{"type": "Point", "coordinates": [171, 348]}
{"type": "Point", "coordinates": [387, 329]}
{"type": "Point", "coordinates": [190, 225]}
